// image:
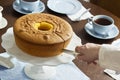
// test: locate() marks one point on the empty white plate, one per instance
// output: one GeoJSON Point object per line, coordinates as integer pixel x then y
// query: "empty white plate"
{"type": "Point", "coordinates": [64, 6]}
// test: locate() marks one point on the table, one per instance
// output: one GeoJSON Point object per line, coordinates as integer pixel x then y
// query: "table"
{"type": "Point", "coordinates": [108, 5]}
{"type": "Point", "coordinates": [95, 72]}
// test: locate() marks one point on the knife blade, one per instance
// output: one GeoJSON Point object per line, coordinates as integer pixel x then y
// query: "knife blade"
{"type": "Point", "coordinates": [71, 52]}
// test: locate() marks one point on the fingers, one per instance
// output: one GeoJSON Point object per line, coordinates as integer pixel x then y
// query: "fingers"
{"type": "Point", "coordinates": [88, 52]}
{"type": "Point", "coordinates": [77, 49]}
{"type": "Point", "coordinates": [83, 59]}
{"type": "Point", "coordinates": [80, 48]}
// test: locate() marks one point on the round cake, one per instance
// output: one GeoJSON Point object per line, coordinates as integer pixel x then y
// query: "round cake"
{"type": "Point", "coordinates": [42, 34]}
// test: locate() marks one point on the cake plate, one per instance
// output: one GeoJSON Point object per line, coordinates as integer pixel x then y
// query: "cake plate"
{"type": "Point", "coordinates": [38, 68]}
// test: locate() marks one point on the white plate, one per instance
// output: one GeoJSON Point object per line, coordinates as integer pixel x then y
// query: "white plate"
{"type": "Point", "coordinates": [111, 34]}
{"type": "Point", "coordinates": [3, 23]}
{"type": "Point", "coordinates": [8, 42]}
{"type": "Point", "coordinates": [17, 7]}
{"type": "Point", "coordinates": [64, 6]}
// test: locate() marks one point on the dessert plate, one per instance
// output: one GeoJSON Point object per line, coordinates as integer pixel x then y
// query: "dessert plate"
{"type": "Point", "coordinates": [111, 34]}
{"type": "Point", "coordinates": [8, 43]}
{"type": "Point", "coordinates": [17, 7]}
{"type": "Point", "coordinates": [3, 23]}
{"type": "Point", "coordinates": [64, 6]}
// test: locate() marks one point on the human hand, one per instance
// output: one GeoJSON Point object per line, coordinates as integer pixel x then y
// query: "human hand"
{"type": "Point", "coordinates": [88, 52]}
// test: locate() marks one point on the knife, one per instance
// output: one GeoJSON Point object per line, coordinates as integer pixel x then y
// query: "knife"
{"type": "Point", "coordinates": [71, 52]}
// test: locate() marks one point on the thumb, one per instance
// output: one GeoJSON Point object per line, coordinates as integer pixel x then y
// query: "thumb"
{"type": "Point", "coordinates": [79, 49]}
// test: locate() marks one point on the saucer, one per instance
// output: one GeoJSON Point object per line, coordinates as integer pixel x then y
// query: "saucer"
{"type": "Point", "coordinates": [17, 7]}
{"type": "Point", "coordinates": [3, 23]}
{"type": "Point", "coordinates": [111, 34]}
{"type": "Point", "coordinates": [64, 6]}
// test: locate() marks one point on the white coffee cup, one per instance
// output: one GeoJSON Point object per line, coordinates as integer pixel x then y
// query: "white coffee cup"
{"type": "Point", "coordinates": [29, 5]}
{"type": "Point", "coordinates": [1, 9]}
{"type": "Point", "coordinates": [101, 24]}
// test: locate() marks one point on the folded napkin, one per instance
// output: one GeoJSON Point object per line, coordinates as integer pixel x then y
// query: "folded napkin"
{"type": "Point", "coordinates": [80, 14]}
{"type": "Point", "coordinates": [64, 72]}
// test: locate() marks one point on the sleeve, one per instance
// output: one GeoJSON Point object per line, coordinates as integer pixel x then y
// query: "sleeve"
{"type": "Point", "coordinates": [109, 57]}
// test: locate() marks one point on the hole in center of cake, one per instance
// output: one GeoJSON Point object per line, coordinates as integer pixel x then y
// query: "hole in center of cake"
{"type": "Point", "coordinates": [44, 26]}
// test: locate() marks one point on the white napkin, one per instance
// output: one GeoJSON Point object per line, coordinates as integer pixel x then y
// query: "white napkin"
{"type": "Point", "coordinates": [73, 17]}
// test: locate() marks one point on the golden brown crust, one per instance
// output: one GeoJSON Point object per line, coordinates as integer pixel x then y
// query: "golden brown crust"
{"type": "Point", "coordinates": [42, 43]}
{"type": "Point", "coordinates": [24, 29]}
{"type": "Point", "coordinates": [41, 50]}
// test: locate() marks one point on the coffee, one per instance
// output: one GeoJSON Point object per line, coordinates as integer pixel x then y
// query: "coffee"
{"type": "Point", "coordinates": [103, 21]}
{"type": "Point", "coordinates": [30, 0]}
{"type": "Point", "coordinates": [101, 24]}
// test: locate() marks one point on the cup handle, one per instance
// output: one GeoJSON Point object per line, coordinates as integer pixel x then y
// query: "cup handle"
{"type": "Point", "coordinates": [18, 1]}
{"type": "Point", "coordinates": [90, 20]}
{"type": "Point", "coordinates": [1, 8]}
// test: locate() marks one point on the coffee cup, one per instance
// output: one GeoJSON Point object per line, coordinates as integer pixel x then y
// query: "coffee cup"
{"type": "Point", "coordinates": [1, 9]}
{"type": "Point", "coordinates": [29, 5]}
{"type": "Point", "coordinates": [101, 24]}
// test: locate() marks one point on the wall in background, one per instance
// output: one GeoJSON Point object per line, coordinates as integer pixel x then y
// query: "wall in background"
{"type": "Point", "coordinates": [111, 5]}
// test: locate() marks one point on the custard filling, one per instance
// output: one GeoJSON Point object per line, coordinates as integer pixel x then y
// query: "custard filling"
{"type": "Point", "coordinates": [45, 26]}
